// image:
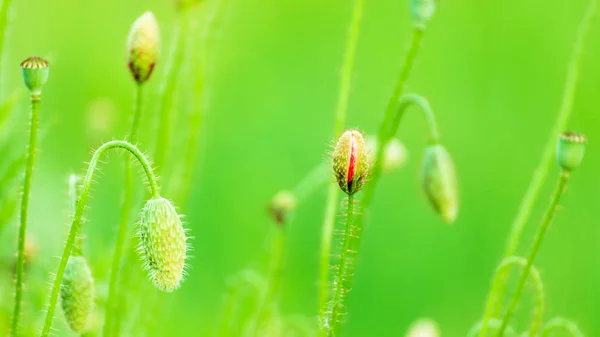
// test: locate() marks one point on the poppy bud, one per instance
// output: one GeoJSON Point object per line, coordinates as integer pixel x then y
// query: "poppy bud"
{"type": "Point", "coordinates": [439, 181]}
{"type": "Point", "coordinates": [143, 47]}
{"type": "Point", "coordinates": [422, 11]}
{"type": "Point", "coordinates": [570, 150]}
{"type": "Point", "coordinates": [77, 293]}
{"type": "Point", "coordinates": [351, 161]}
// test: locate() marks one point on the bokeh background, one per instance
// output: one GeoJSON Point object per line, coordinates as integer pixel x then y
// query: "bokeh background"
{"type": "Point", "coordinates": [492, 70]}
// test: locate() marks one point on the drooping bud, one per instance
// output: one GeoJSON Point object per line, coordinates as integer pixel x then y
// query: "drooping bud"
{"type": "Point", "coordinates": [422, 11]}
{"type": "Point", "coordinates": [570, 150]}
{"type": "Point", "coordinates": [282, 205]}
{"type": "Point", "coordinates": [162, 244]}
{"type": "Point", "coordinates": [77, 293]}
{"type": "Point", "coordinates": [395, 155]}
{"type": "Point", "coordinates": [423, 328]}
{"type": "Point", "coordinates": [439, 181]}
{"type": "Point", "coordinates": [143, 47]}
{"type": "Point", "coordinates": [351, 162]}
{"type": "Point", "coordinates": [35, 74]}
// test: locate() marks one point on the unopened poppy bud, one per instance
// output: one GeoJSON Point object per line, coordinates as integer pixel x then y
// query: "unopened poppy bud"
{"type": "Point", "coordinates": [162, 244]}
{"type": "Point", "coordinates": [35, 74]}
{"type": "Point", "coordinates": [423, 328]}
{"type": "Point", "coordinates": [395, 155]}
{"type": "Point", "coordinates": [143, 47]}
{"type": "Point", "coordinates": [283, 203]}
{"type": "Point", "coordinates": [77, 293]}
{"type": "Point", "coordinates": [351, 161]}
{"type": "Point", "coordinates": [439, 181]}
{"type": "Point", "coordinates": [570, 150]}
{"type": "Point", "coordinates": [422, 11]}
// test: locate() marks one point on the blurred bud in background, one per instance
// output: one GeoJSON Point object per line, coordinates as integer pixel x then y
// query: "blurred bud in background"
{"type": "Point", "coordinates": [423, 328]}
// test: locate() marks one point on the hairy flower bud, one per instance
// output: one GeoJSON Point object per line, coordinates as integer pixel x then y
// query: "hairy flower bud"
{"type": "Point", "coordinates": [351, 161]}
{"type": "Point", "coordinates": [282, 204]}
{"type": "Point", "coordinates": [439, 181]}
{"type": "Point", "coordinates": [77, 293]}
{"type": "Point", "coordinates": [35, 74]}
{"type": "Point", "coordinates": [143, 47]}
{"type": "Point", "coordinates": [162, 244]}
{"type": "Point", "coordinates": [423, 328]}
{"type": "Point", "coordinates": [422, 11]}
{"type": "Point", "coordinates": [570, 150]}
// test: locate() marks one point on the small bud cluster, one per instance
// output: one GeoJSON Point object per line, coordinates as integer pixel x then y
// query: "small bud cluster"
{"type": "Point", "coordinates": [162, 244]}
{"type": "Point", "coordinates": [351, 162]}
{"type": "Point", "coordinates": [77, 293]}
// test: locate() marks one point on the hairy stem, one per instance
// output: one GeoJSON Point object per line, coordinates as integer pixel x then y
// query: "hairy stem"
{"type": "Point", "coordinates": [3, 24]}
{"type": "Point", "coordinates": [330, 322]}
{"type": "Point", "coordinates": [561, 323]}
{"type": "Point", "coordinates": [72, 199]}
{"type": "Point", "coordinates": [74, 229]}
{"type": "Point", "coordinates": [501, 273]}
{"type": "Point", "coordinates": [31, 149]}
{"type": "Point", "coordinates": [560, 187]}
{"type": "Point", "coordinates": [112, 310]}
{"type": "Point", "coordinates": [541, 172]}
{"type": "Point", "coordinates": [168, 91]}
{"type": "Point", "coordinates": [340, 120]}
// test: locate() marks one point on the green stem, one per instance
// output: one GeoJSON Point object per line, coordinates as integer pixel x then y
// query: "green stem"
{"type": "Point", "coordinates": [33, 133]}
{"type": "Point", "coordinates": [501, 273]}
{"type": "Point", "coordinates": [338, 127]}
{"type": "Point", "coordinates": [562, 182]}
{"type": "Point", "coordinates": [168, 92]}
{"type": "Point", "coordinates": [112, 310]}
{"type": "Point", "coordinates": [330, 323]}
{"type": "Point", "coordinates": [541, 172]}
{"type": "Point", "coordinates": [316, 178]}
{"type": "Point", "coordinates": [3, 23]}
{"type": "Point", "coordinates": [561, 323]}
{"type": "Point", "coordinates": [74, 229]}
{"type": "Point", "coordinates": [492, 323]}
{"type": "Point", "coordinates": [72, 197]}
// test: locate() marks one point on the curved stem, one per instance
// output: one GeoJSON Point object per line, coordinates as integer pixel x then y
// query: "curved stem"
{"type": "Point", "coordinates": [492, 323]}
{"type": "Point", "coordinates": [330, 322]}
{"type": "Point", "coordinates": [168, 92]}
{"type": "Point", "coordinates": [501, 273]}
{"type": "Point", "coordinates": [562, 182]}
{"type": "Point", "coordinates": [338, 127]}
{"type": "Point", "coordinates": [403, 104]}
{"type": "Point", "coordinates": [561, 323]}
{"type": "Point", "coordinates": [541, 172]}
{"type": "Point", "coordinates": [33, 133]}
{"type": "Point", "coordinates": [74, 229]}
{"type": "Point", "coordinates": [112, 317]}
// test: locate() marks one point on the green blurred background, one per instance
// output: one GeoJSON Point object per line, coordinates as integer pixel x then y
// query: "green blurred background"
{"type": "Point", "coordinates": [492, 70]}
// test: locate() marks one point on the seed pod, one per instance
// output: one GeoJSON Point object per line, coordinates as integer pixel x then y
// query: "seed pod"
{"type": "Point", "coordinates": [77, 293]}
{"type": "Point", "coordinates": [570, 150]}
{"type": "Point", "coordinates": [423, 328]}
{"type": "Point", "coordinates": [351, 162]}
{"type": "Point", "coordinates": [283, 203]}
{"type": "Point", "coordinates": [35, 74]}
{"type": "Point", "coordinates": [439, 181]}
{"type": "Point", "coordinates": [162, 244]}
{"type": "Point", "coordinates": [422, 11]}
{"type": "Point", "coordinates": [143, 47]}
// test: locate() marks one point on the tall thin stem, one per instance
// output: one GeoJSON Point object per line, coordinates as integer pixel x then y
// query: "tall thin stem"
{"type": "Point", "coordinates": [74, 229]}
{"type": "Point", "coordinates": [3, 24]}
{"type": "Point", "coordinates": [33, 135]}
{"type": "Point", "coordinates": [330, 322]}
{"type": "Point", "coordinates": [541, 172]}
{"type": "Point", "coordinates": [560, 187]}
{"type": "Point", "coordinates": [341, 112]}
{"type": "Point", "coordinates": [112, 317]}
{"type": "Point", "coordinates": [72, 199]}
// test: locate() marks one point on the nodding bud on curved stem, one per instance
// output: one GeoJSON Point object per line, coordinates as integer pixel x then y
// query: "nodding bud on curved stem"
{"type": "Point", "coordinates": [439, 181]}
{"type": "Point", "coordinates": [422, 11]}
{"type": "Point", "coordinates": [162, 244]}
{"type": "Point", "coordinates": [77, 293]}
{"type": "Point", "coordinates": [35, 74]}
{"type": "Point", "coordinates": [143, 47]}
{"type": "Point", "coordinates": [570, 150]}
{"type": "Point", "coordinates": [351, 161]}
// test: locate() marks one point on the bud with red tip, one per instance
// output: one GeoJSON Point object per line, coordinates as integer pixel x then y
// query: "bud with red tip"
{"type": "Point", "coordinates": [351, 162]}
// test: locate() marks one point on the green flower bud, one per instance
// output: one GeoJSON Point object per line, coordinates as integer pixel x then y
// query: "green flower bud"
{"type": "Point", "coordinates": [77, 293]}
{"type": "Point", "coordinates": [439, 181]}
{"type": "Point", "coordinates": [351, 161]}
{"type": "Point", "coordinates": [423, 328]}
{"type": "Point", "coordinates": [35, 74]}
{"type": "Point", "coordinates": [283, 203]}
{"type": "Point", "coordinates": [395, 155]}
{"type": "Point", "coordinates": [143, 47]}
{"type": "Point", "coordinates": [570, 150]}
{"type": "Point", "coordinates": [162, 244]}
{"type": "Point", "coordinates": [422, 11]}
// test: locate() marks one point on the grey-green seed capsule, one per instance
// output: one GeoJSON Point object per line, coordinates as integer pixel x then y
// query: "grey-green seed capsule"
{"type": "Point", "coordinates": [439, 182]}
{"type": "Point", "coordinates": [77, 293]}
{"type": "Point", "coordinates": [162, 244]}
{"type": "Point", "coordinates": [35, 74]}
{"type": "Point", "coordinates": [570, 150]}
